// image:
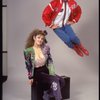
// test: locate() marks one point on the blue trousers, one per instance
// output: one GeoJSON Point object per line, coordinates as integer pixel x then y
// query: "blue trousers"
{"type": "Point", "coordinates": [67, 35]}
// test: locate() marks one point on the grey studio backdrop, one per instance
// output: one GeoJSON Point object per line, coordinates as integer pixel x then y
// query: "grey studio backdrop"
{"type": "Point", "coordinates": [25, 15]}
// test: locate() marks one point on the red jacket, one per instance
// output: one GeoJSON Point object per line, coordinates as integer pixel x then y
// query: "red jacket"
{"type": "Point", "coordinates": [54, 7]}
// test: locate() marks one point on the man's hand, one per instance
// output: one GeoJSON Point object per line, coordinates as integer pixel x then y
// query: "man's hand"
{"type": "Point", "coordinates": [54, 26]}
{"type": "Point", "coordinates": [70, 22]}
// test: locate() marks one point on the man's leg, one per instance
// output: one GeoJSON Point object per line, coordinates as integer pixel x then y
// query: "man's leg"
{"type": "Point", "coordinates": [63, 36]}
{"type": "Point", "coordinates": [76, 40]}
{"type": "Point", "coordinates": [71, 34]}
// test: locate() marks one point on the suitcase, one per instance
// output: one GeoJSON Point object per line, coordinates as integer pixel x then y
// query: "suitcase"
{"type": "Point", "coordinates": [37, 91]}
{"type": "Point", "coordinates": [65, 91]}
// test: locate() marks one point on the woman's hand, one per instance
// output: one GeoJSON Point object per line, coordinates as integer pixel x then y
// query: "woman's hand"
{"type": "Point", "coordinates": [31, 81]}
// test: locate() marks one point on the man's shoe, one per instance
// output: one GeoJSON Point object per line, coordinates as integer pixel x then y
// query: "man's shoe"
{"type": "Point", "coordinates": [78, 51]}
{"type": "Point", "coordinates": [85, 51]}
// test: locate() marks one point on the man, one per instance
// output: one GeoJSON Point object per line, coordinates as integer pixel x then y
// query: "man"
{"type": "Point", "coordinates": [60, 15]}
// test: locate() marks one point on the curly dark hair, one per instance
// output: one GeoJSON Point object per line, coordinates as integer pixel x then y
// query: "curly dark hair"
{"type": "Point", "coordinates": [35, 32]}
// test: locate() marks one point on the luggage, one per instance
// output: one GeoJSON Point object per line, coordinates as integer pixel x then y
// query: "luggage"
{"type": "Point", "coordinates": [37, 91]}
{"type": "Point", "coordinates": [65, 91]}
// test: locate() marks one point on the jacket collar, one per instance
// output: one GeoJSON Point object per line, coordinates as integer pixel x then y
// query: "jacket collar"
{"type": "Point", "coordinates": [61, 1]}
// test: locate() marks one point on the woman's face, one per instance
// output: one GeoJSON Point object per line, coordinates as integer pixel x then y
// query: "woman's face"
{"type": "Point", "coordinates": [39, 39]}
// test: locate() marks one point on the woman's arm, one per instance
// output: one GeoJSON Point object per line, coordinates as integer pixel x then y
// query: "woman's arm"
{"type": "Point", "coordinates": [50, 64]}
{"type": "Point", "coordinates": [28, 63]}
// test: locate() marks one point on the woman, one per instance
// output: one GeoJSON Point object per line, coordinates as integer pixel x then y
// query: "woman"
{"type": "Point", "coordinates": [59, 15]}
{"type": "Point", "coordinates": [40, 65]}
